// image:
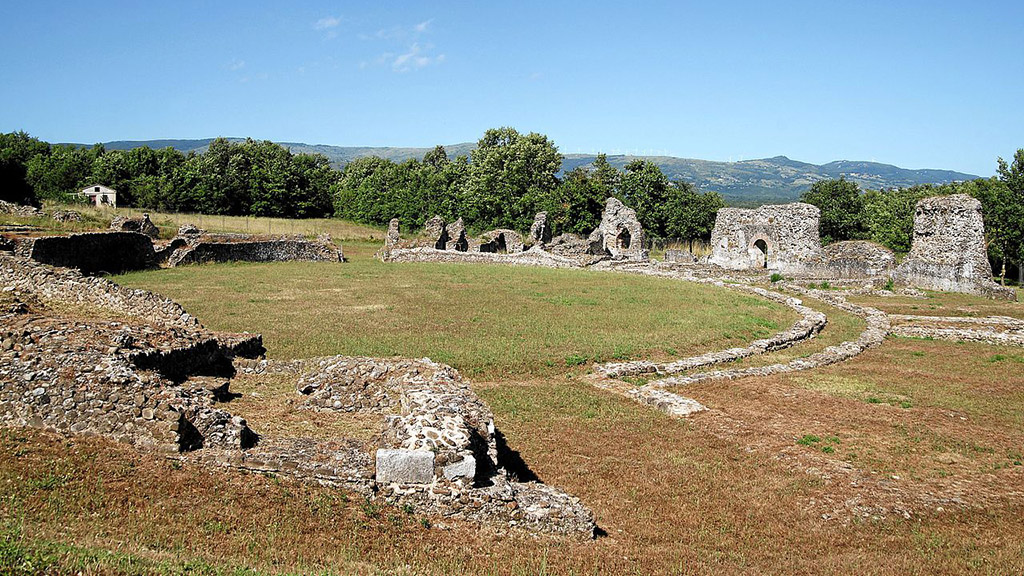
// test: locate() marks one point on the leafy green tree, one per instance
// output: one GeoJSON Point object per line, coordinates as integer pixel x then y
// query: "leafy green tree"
{"type": "Point", "coordinates": [690, 214]}
{"type": "Point", "coordinates": [16, 149]}
{"type": "Point", "coordinates": [509, 176]}
{"type": "Point", "coordinates": [576, 205]}
{"type": "Point", "coordinates": [65, 170]}
{"type": "Point", "coordinates": [645, 188]}
{"type": "Point", "coordinates": [1012, 176]}
{"type": "Point", "coordinates": [841, 208]}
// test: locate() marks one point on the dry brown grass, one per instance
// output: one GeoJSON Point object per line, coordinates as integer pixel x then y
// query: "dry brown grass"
{"type": "Point", "coordinates": [270, 404]}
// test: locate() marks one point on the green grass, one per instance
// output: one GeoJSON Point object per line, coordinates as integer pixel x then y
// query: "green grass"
{"type": "Point", "coordinates": [490, 321]}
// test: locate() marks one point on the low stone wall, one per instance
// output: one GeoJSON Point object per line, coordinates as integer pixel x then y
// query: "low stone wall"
{"type": "Point", "coordinates": [91, 252]}
{"type": "Point", "coordinates": [270, 250]}
{"type": "Point", "coordinates": [532, 257]}
{"type": "Point", "coordinates": [996, 330]}
{"type": "Point", "coordinates": [809, 324]}
{"type": "Point", "coordinates": [66, 285]}
{"type": "Point", "coordinates": [853, 260]}
{"type": "Point", "coordinates": [436, 426]}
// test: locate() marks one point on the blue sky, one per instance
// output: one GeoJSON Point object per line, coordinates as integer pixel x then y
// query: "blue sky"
{"type": "Point", "coordinates": [917, 84]}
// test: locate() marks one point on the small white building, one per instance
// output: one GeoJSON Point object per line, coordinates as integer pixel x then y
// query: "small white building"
{"type": "Point", "coordinates": [100, 195]}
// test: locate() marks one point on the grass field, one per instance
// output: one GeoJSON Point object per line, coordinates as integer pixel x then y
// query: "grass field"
{"type": "Point", "coordinates": [490, 322]}
{"type": "Point", "coordinates": [904, 460]}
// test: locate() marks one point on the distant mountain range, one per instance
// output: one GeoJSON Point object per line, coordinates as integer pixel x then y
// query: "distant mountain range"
{"type": "Point", "coordinates": [768, 180]}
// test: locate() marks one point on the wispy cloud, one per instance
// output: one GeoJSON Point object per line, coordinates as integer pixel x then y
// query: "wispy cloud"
{"type": "Point", "coordinates": [414, 58]}
{"type": "Point", "coordinates": [327, 23]}
{"type": "Point", "coordinates": [235, 64]}
{"type": "Point", "coordinates": [408, 51]}
{"type": "Point", "coordinates": [328, 26]}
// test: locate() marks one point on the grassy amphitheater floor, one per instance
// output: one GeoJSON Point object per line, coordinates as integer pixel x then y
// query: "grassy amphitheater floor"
{"type": "Point", "coordinates": [906, 459]}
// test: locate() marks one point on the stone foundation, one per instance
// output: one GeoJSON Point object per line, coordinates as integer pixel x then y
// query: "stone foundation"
{"type": "Point", "coordinates": [91, 252]}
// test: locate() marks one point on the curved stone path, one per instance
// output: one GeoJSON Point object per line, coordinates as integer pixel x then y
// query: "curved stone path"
{"type": "Point", "coordinates": [656, 393]}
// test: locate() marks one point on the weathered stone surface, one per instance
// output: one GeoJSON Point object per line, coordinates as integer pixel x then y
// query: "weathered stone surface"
{"type": "Point", "coordinates": [679, 256]}
{"type": "Point", "coordinates": [66, 216]}
{"type": "Point", "coordinates": [190, 230]}
{"type": "Point", "coordinates": [781, 238]}
{"type": "Point", "coordinates": [435, 232]}
{"type": "Point", "coordinates": [456, 234]}
{"type": "Point", "coordinates": [20, 210]}
{"type": "Point", "coordinates": [404, 466]}
{"type": "Point", "coordinates": [948, 250]}
{"type": "Point", "coordinates": [582, 250]}
{"type": "Point", "coordinates": [540, 231]}
{"type": "Point", "coordinates": [141, 225]}
{"type": "Point", "coordinates": [620, 233]}
{"type": "Point", "coordinates": [392, 237]}
{"type": "Point", "coordinates": [855, 259]}
{"type": "Point", "coordinates": [91, 252]}
{"type": "Point", "coordinates": [500, 241]}
{"type": "Point", "coordinates": [465, 468]}
{"type": "Point", "coordinates": [281, 249]}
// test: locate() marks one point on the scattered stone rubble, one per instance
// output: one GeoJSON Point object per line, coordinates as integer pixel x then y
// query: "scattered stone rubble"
{"type": "Point", "coordinates": [19, 210]}
{"type": "Point", "coordinates": [157, 379]}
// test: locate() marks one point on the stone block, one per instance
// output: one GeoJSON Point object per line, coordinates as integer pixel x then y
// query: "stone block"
{"type": "Point", "coordinates": [465, 468]}
{"type": "Point", "coordinates": [405, 466]}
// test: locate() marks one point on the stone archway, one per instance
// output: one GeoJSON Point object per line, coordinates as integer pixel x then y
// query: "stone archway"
{"type": "Point", "coordinates": [624, 239]}
{"type": "Point", "coordinates": [759, 251]}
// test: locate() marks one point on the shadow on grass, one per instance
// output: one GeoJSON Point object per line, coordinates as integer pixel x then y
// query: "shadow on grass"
{"type": "Point", "coordinates": [511, 461]}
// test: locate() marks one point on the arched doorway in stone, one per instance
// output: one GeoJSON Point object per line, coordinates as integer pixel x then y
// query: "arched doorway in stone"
{"type": "Point", "coordinates": [623, 240]}
{"type": "Point", "coordinates": [762, 247]}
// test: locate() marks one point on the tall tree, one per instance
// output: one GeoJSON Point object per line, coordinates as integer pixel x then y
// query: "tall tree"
{"type": "Point", "coordinates": [645, 189]}
{"type": "Point", "coordinates": [841, 208]}
{"type": "Point", "coordinates": [509, 176]}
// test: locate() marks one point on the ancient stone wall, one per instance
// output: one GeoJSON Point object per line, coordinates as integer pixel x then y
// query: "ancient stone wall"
{"type": "Point", "coordinates": [500, 241]}
{"type": "Point", "coordinates": [780, 238]}
{"type": "Point", "coordinates": [67, 285]}
{"type": "Point", "coordinates": [540, 231]}
{"type": "Point", "coordinates": [853, 260]}
{"type": "Point", "coordinates": [92, 252]}
{"type": "Point", "coordinates": [620, 233]}
{"type": "Point", "coordinates": [143, 225]}
{"type": "Point", "coordinates": [948, 250]}
{"type": "Point", "coordinates": [269, 250]}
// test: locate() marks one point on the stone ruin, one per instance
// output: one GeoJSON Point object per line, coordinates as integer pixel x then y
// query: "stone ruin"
{"type": "Point", "coordinates": [619, 237]}
{"type": "Point", "coordinates": [540, 231]}
{"type": "Point", "coordinates": [115, 252]}
{"type": "Point", "coordinates": [142, 225]}
{"type": "Point", "coordinates": [620, 234]}
{"type": "Point", "coordinates": [157, 379]}
{"type": "Point", "coordinates": [948, 249]}
{"type": "Point", "coordinates": [854, 259]}
{"type": "Point", "coordinates": [779, 238]}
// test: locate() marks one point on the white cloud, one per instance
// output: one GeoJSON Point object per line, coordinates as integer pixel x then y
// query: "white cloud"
{"type": "Point", "coordinates": [236, 64]}
{"type": "Point", "coordinates": [422, 26]}
{"type": "Point", "coordinates": [327, 23]}
{"type": "Point", "coordinates": [414, 58]}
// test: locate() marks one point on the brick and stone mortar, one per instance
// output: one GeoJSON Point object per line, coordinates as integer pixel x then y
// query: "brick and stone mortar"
{"type": "Point", "coordinates": [948, 249]}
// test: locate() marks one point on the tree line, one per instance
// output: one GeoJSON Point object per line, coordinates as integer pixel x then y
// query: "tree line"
{"type": "Point", "coordinates": [887, 216]}
{"type": "Point", "coordinates": [507, 179]}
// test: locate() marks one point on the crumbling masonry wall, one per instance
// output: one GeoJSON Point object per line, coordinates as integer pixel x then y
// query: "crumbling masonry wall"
{"type": "Point", "coordinates": [91, 252]}
{"type": "Point", "coordinates": [780, 238]}
{"type": "Point", "coordinates": [948, 250]}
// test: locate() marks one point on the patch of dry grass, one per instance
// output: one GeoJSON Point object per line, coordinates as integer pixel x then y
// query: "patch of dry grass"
{"type": "Point", "coordinates": [270, 404]}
